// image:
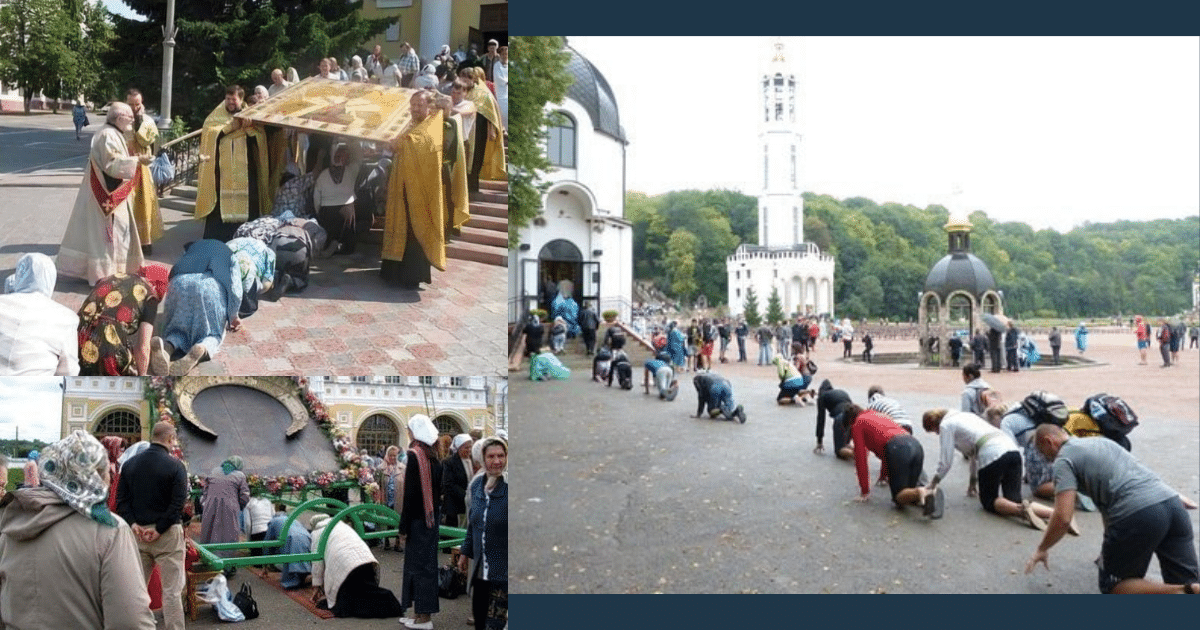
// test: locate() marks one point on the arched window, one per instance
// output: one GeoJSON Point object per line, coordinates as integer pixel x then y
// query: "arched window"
{"type": "Point", "coordinates": [447, 425]}
{"type": "Point", "coordinates": [121, 423]}
{"type": "Point", "coordinates": [561, 141]}
{"type": "Point", "coordinates": [376, 433]}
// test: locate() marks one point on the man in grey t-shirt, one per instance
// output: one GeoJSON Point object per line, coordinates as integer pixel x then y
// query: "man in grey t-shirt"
{"type": "Point", "coordinates": [1143, 517]}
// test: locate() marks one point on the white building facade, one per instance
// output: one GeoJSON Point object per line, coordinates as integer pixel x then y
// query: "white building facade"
{"type": "Point", "coordinates": [782, 260]}
{"type": "Point", "coordinates": [582, 234]}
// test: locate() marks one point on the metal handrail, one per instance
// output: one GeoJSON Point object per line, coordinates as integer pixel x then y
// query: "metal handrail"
{"type": "Point", "coordinates": [184, 153]}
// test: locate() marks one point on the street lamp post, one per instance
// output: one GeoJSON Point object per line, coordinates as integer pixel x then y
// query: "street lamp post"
{"type": "Point", "coordinates": [169, 31]}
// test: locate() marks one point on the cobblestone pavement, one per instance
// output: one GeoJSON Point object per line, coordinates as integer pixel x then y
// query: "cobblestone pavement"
{"type": "Point", "coordinates": [346, 322]}
{"type": "Point", "coordinates": [630, 494]}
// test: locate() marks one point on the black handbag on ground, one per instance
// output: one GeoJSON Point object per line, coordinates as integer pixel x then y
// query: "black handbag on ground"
{"type": "Point", "coordinates": [451, 582]}
{"type": "Point", "coordinates": [244, 600]}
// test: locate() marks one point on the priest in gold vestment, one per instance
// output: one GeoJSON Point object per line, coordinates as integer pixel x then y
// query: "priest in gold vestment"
{"type": "Point", "coordinates": [140, 140]}
{"type": "Point", "coordinates": [415, 225]}
{"type": "Point", "coordinates": [234, 174]}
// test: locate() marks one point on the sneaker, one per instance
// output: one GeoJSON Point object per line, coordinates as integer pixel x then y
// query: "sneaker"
{"type": "Point", "coordinates": [1031, 517]}
{"type": "Point", "coordinates": [189, 361]}
{"type": "Point", "coordinates": [935, 503]}
{"type": "Point", "coordinates": [412, 625]}
{"type": "Point", "coordinates": [740, 412]}
{"type": "Point", "coordinates": [160, 359]}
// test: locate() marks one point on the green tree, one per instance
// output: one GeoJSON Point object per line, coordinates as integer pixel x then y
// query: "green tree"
{"type": "Point", "coordinates": [88, 75]}
{"type": "Point", "coordinates": [774, 307]}
{"type": "Point", "coordinates": [681, 265]}
{"type": "Point", "coordinates": [35, 46]}
{"type": "Point", "coordinates": [539, 77]}
{"type": "Point", "coordinates": [221, 43]}
{"type": "Point", "coordinates": [750, 308]}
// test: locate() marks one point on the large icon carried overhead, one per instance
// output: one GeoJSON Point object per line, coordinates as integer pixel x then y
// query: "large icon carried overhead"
{"type": "Point", "coordinates": [365, 111]}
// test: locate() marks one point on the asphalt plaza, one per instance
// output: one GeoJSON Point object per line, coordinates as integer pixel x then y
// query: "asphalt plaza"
{"type": "Point", "coordinates": [629, 494]}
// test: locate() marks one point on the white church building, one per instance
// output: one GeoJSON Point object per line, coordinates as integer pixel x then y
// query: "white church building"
{"type": "Point", "coordinates": [582, 234]}
{"type": "Point", "coordinates": [782, 260]}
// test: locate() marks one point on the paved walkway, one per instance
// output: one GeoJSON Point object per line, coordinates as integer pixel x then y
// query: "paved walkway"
{"type": "Point", "coordinates": [346, 322]}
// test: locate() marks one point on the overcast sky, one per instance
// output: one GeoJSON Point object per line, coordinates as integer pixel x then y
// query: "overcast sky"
{"type": "Point", "coordinates": [1047, 131]}
{"type": "Point", "coordinates": [33, 403]}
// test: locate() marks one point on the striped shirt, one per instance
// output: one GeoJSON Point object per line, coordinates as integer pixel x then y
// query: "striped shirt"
{"type": "Point", "coordinates": [891, 408]}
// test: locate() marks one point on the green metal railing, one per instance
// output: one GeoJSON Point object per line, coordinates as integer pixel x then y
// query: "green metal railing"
{"type": "Point", "coordinates": [355, 516]}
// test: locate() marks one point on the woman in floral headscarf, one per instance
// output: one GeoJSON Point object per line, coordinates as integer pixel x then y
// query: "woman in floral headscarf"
{"type": "Point", "coordinates": [67, 517]}
{"type": "Point", "coordinates": [419, 518]}
{"type": "Point", "coordinates": [116, 322]}
{"type": "Point", "coordinates": [37, 334]}
{"type": "Point", "coordinates": [225, 495]}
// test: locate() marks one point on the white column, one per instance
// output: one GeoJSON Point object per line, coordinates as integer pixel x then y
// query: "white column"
{"type": "Point", "coordinates": [435, 27]}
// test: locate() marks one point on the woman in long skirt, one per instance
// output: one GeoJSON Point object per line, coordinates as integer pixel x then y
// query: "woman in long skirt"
{"type": "Point", "coordinates": [419, 517]}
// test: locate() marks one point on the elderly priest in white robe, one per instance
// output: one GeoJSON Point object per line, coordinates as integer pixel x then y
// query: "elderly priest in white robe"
{"type": "Point", "coordinates": [101, 237]}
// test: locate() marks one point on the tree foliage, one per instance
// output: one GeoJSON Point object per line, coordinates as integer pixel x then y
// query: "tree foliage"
{"type": "Point", "coordinates": [241, 41]}
{"type": "Point", "coordinates": [750, 308]}
{"type": "Point", "coordinates": [883, 254]}
{"type": "Point", "coordinates": [539, 77]}
{"type": "Point", "coordinates": [775, 312]}
{"type": "Point", "coordinates": [53, 47]}
{"type": "Point", "coordinates": [681, 265]}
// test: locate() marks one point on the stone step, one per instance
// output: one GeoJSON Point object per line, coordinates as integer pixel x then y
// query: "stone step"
{"type": "Point", "coordinates": [484, 208]}
{"type": "Point", "coordinates": [490, 196]}
{"type": "Point", "coordinates": [483, 236]}
{"type": "Point", "coordinates": [184, 192]}
{"type": "Point", "coordinates": [492, 224]}
{"type": "Point", "coordinates": [485, 254]}
{"type": "Point", "coordinates": [493, 186]}
{"type": "Point", "coordinates": [182, 204]}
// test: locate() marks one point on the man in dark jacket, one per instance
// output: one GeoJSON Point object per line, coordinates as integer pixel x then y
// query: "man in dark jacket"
{"type": "Point", "coordinates": [588, 322]}
{"type": "Point", "coordinates": [832, 401]}
{"type": "Point", "coordinates": [742, 332]}
{"type": "Point", "coordinates": [150, 497]}
{"type": "Point", "coordinates": [994, 347]}
{"type": "Point", "coordinates": [454, 480]}
{"type": "Point", "coordinates": [1010, 346]}
{"type": "Point", "coordinates": [979, 346]}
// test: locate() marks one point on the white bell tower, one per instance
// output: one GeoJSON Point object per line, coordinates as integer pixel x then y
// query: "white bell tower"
{"type": "Point", "coordinates": [780, 206]}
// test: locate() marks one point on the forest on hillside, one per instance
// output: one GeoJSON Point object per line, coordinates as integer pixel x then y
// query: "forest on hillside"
{"type": "Point", "coordinates": [885, 251]}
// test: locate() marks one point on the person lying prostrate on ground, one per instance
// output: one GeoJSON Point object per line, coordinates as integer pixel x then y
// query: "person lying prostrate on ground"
{"type": "Point", "coordinates": [545, 366]}
{"type": "Point", "coordinates": [202, 303]}
{"type": "Point", "coordinates": [1143, 516]}
{"type": "Point", "coordinates": [791, 382]}
{"type": "Point", "coordinates": [994, 457]}
{"type": "Point", "coordinates": [714, 392]}
{"type": "Point", "coordinates": [831, 401]}
{"type": "Point", "coordinates": [900, 454]}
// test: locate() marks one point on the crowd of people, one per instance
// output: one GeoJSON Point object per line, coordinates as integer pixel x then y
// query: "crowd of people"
{"type": "Point", "coordinates": [1018, 456]}
{"type": "Point", "coordinates": [270, 208]}
{"type": "Point", "coordinates": [123, 513]}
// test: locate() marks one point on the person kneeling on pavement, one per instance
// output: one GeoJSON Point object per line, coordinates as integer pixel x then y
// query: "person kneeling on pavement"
{"type": "Point", "coordinates": [659, 369]}
{"type": "Point", "coordinates": [716, 393]}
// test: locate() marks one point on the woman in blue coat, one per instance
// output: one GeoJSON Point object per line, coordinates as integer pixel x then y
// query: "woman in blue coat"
{"type": "Point", "coordinates": [485, 549]}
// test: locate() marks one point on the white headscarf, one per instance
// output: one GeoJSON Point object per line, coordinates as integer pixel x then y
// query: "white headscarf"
{"type": "Point", "coordinates": [422, 429]}
{"type": "Point", "coordinates": [459, 440]}
{"type": "Point", "coordinates": [35, 273]}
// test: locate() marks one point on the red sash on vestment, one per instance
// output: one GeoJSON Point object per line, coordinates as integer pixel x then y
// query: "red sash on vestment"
{"type": "Point", "coordinates": [110, 200]}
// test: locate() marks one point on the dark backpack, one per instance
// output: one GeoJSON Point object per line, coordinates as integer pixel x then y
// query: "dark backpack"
{"type": "Point", "coordinates": [1113, 415]}
{"type": "Point", "coordinates": [1044, 407]}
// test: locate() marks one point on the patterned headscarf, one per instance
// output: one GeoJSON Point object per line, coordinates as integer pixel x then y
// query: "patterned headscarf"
{"type": "Point", "coordinates": [233, 463]}
{"type": "Point", "coordinates": [35, 273]}
{"type": "Point", "coordinates": [70, 467]}
{"type": "Point", "coordinates": [158, 276]}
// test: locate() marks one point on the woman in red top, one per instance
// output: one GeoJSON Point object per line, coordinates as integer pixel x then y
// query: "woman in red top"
{"type": "Point", "coordinates": [900, 453]}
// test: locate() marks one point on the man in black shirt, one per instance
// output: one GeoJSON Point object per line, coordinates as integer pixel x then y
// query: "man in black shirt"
{"type": "Point", "coordinates": [150, 497]}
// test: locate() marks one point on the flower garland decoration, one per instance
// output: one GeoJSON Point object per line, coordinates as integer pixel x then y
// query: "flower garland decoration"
{"type": "Point", "coordinates": [159, 392]}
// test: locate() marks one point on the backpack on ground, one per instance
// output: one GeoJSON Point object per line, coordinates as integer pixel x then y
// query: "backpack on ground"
{"type": "Point", "coordinates": [1044, 407]}
{"type": "Point", "coordinates": [1114, 415]}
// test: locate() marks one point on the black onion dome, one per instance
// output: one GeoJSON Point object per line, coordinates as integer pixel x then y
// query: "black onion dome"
{"type": "Point", "coordinates": [960, 271]}
{"type": "Point", "coordinates": [592, 91]}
